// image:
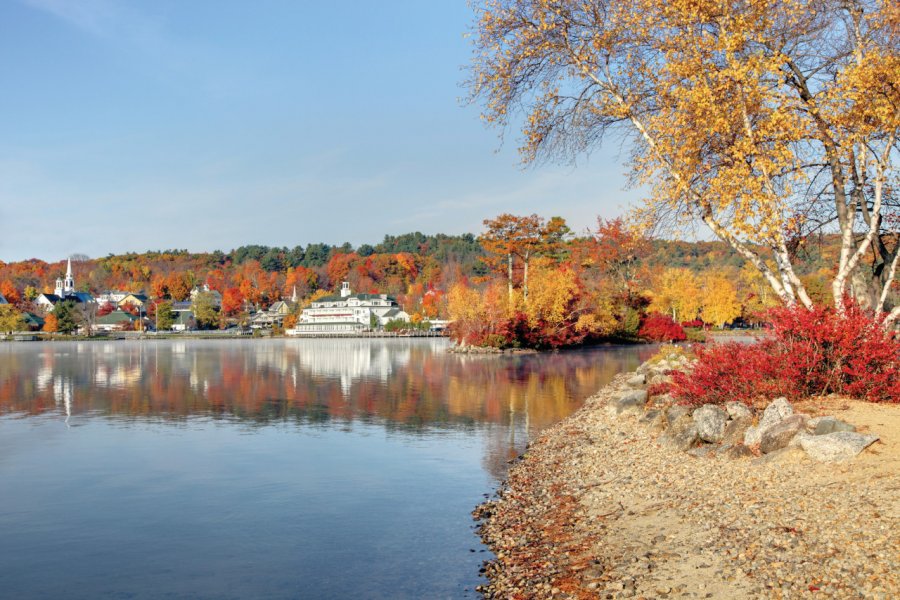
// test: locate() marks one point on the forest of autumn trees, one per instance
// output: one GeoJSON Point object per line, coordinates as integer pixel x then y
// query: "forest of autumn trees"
{"type": "Point", "coordinates": [525, 281]}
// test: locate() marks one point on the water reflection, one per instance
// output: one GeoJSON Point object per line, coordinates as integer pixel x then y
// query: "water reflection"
{"type": "Point", "coordinates": [410, 384]}
{"type": "Point", "coordinates": [311, 468]}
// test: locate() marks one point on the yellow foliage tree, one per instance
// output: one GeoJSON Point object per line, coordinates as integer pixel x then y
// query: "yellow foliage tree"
{"type": "Point", "coordinates": [676, 291]}
{"type": "Point", "coordinates": [760, 119]}
{"type": "Point", "coordinates": [719, 301]}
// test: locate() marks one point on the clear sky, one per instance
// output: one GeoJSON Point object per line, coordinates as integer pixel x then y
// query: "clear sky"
{"type": "Point", "coordinates": [128, 126]}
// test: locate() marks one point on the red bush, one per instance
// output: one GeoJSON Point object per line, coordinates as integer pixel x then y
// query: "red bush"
{"type": "Point", "coordinates": [697, 323]}
{"type": "Point", "coordinates": [809, 353]}
{"type": "Point", "coordinates": [661, 328]}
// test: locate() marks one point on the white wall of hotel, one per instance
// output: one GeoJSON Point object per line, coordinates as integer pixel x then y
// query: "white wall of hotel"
{"type": "Point", "coordinates": [347, 314]}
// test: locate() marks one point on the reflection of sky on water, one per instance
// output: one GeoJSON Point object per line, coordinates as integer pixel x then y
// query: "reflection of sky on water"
{"type": "Point", "coordinates": [277, 468]}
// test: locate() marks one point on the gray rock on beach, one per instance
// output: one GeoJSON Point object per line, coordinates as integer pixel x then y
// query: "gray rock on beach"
{"type": "Point", "coordinates": [826, 425]}
{"type": "Point", "coordinates": [682, 434]}
{"type": "Point", "coordinates": [779, 435]}
{"type": "Point", "coordinates": [632, 401]}
{"type": "Point", "coordinates": [777, 411]}
{"type": "Point", "coordinates": [674, 413]}
{"type": "Point", "coordinates": [837, 446]}
{"type": "Point", "coordinates": [637, 381]}
{"type": "Point", "coordinates": [710, 421]}
{"type": "Point", "coordinates": [735, 430]}
{"type": "Point", "coordinates": [738, 410]}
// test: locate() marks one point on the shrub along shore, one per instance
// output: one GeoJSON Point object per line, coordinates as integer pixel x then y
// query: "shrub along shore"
{"type": "Point", "coordinates": [636, 496]}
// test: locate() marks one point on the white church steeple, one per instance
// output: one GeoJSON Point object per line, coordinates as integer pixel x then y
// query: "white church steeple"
{"type": "Point", "coordinates": [66, 287]}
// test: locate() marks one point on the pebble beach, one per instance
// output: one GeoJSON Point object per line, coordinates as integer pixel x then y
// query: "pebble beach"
{"type": "Point", "coordinates": [600, 506]}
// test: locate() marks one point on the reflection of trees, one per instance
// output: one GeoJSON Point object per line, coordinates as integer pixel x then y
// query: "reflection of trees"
{"type": "Point", "coordinates": [410, 385]}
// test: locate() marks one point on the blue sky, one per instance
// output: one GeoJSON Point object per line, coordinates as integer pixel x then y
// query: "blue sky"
{"type": "Point", "coordinates": [127, 126]}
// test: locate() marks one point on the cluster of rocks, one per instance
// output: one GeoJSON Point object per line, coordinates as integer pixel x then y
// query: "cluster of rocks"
{"type": "Point", "coordinates": [598, 507]}
{"type": "Point", "coordinates": [732, 430]}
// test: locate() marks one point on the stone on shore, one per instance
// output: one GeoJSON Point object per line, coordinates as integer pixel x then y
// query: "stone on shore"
{"type": "Point", "coordinates": [738, 410]}
{"type": "Point", "coordinates": [735, 430]}
{"type": "Point", "coordinates": [632, 401]}
{"type": "Point", "coordinates": [710, 421]}
{"type": "Point", "coordinates": [779, 435]}
{"type": "Point", "coordinates": [637, 381]}
{"type": "Point", "coordinates": [826, 425]}
{"type": "Point", "coordinates": [836, 446]}
{"type": "Point", "coordinates": [682, 435]}
{"type": "Point", "coordinates": [777, 411]}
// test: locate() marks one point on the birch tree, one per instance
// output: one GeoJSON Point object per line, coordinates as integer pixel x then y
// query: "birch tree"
{"type": "Point", "coordinates": [765, 120]}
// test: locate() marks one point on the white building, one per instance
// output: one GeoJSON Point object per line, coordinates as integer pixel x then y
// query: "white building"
{"type": "Point", "coordinates": [348, 314]}
{"type": "Point", "coordinates": [65, 290]}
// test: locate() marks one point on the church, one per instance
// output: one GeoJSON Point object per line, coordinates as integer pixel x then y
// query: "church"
{"type": "Point", "coordinates": [64, 290]}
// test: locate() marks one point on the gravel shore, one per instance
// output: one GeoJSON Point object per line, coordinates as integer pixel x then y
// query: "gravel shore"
{"type": "Point", "coordinates": [598, 508]}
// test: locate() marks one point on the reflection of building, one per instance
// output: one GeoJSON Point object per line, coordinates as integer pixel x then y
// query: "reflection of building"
{"type": "Point", "coordinates": [350, 360]}
{"type": "Point", "coordinates": [348, 314]}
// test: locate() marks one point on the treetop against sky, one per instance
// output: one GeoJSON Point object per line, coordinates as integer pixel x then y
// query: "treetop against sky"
{"type": "Point", "coordinates": [130, 125]}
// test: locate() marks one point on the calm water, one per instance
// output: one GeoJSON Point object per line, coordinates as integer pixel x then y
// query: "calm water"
{"type": "Point", "coordinates": [263, 468]}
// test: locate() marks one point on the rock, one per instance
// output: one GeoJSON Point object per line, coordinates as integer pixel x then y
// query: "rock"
{"type": "Point", "coordinates": [637, 381]}
{"type": "Point", "coordinates": [826, 425]}
{"type": "Point", "coordinates": [735, 430]}
{"type": "Point", "coordinates": [632, 401]}
{"type": "Point", "coordinates": [662, 401]}
{"type": "Point", "coordinates": [674, 413]}
{"type": "Point", "coordinates": [682, 434]}
{"type": "Point", "coordinates": [778, 436]}
{"type": "Point", "coordinates": [710, 422]}
{"type": "Point", "coordinates": [655, 419]}
{"type": "Point", "coordinates": [779, 410]}
{"type": "Point", "coordinates": [836, 446]}
{"type": "Point", "coordinates": [752, 436]}
{"type": "Point", "coordinates": [738, 410]}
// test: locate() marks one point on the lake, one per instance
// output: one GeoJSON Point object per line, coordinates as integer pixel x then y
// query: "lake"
{"type": "Point", "coordinates": [277, 468]}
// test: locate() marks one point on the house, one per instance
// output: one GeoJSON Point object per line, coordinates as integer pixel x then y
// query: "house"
{"type": "Point", "coordinates": [275, 315]}
{"type": "Point", "coordinates": [65, 290]}
{"type": "Point", "coordinates": [184, 317]}
{"type": "Point", "coordinates": [348, 314]}
{"type": "Point", "coordinates": [33, 322]}
{"type": "Point", "coordinates": [117, 320]}
{"type": "Point", "coordinates": [111, 297]}
{"type": "Point", "coordinates": [216, 296]}
{"type": "Point", "coordinates": [135, 300]}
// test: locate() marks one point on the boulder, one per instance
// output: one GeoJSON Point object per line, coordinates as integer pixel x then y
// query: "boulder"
{"type": "Point", "coordinates": [779, 435]}
{"type": "Point", "coordinates": [631, 401]}
{"type": "Point", "coordinates": [779, 410]}
{"type": "Point", "coordinates": [637, 380]}
{"type": "Point", "coordinates": [826, 425]}
{"type": "Point", "coordinates": [752, 436]}
{"type": "Point", "coordinates": [674, 413]}
{"type": "Point", "coordinates": [710, 421]}
{"type": "Point", "coordinates": [735, 430]}
{"type": "Point", "coordinates": [655, 419]}
{"type": "Point", "coordinates": [836, 446]}
{"type": "Point", "coordinates": [738, 410]}
{"type": "Point", "coordinates": [682, 434]}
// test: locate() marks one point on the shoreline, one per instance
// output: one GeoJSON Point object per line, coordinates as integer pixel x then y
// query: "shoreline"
{"type": "Point", "coordinates": [598, 507]}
